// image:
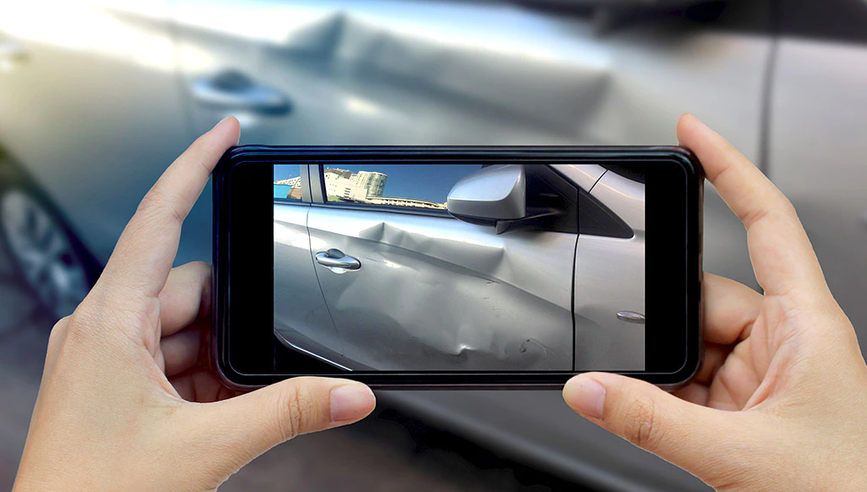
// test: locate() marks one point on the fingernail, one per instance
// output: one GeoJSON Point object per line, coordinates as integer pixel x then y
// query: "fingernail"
{"type": "Point", "coordinates": [351, 402]}
{"type": "Point", "coordinates": [220, 122]}
{"type": "Point", "coordinates": [586, 396]}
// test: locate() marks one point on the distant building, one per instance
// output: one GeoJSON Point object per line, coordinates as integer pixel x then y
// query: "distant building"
{"type": "Point", "coordinates": [373, 181]}
{"type": "Point", "coordinates": [365, 187]}
{"type": "Point", "coordinates": [294, 194]}
{"type": "Point", "coordinates": [405, 202]}
{"type": "Point", "coordinates": [359, 186]}
{"type": "Point", "coordinates": [343, 173]}
{"type": "Point", "coordinates": [293, 182]}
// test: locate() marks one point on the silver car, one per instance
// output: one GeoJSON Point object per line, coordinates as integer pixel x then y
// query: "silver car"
{"type": "Point", "coordinates": [417, 289]}
{"type": "Point", "coordinates": [98, 96]}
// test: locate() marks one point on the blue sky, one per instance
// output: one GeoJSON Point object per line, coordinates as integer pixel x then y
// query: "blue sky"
{"type": "Point", "coordinates": [285, 171]}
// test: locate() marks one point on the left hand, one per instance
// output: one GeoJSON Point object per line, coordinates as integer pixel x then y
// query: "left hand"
{"type": "Point", "coordinates": [128, 400]}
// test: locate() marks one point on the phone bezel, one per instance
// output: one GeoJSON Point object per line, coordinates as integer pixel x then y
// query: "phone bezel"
{"type": "Point", "coordinates": [692, 212]}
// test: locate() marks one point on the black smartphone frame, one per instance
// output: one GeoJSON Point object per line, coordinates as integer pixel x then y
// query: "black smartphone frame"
{"type": "Point", "coordinates": [690, 257]}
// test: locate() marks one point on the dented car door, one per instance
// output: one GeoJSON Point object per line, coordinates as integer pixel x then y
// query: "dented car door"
{"type": "Point", "coordinates": [426, 291]}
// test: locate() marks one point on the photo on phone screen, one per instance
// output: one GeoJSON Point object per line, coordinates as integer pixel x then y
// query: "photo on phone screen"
{"type": "Point", "coordinates": [397, 283]}
{"type": "Point", "coordinates": [461, 267]}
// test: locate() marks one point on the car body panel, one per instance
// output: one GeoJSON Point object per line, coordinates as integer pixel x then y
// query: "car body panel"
{"type": "Point", "coordinates": [610, 278]}
{"type": "Point", "coordinates": [444, 294]}
{"type": "Point", "coordinates": [95, 113]}
{"type": "Point", "coordinates": [584, 176]}
{"type": "Point", "coordinates": [602, 341]}
{"type": "Point", "coordinates": [816, 156]}
{"type": "Point", "coordinates": [301, 318]}
{"type": "Point", "coordinates": [537, 427]}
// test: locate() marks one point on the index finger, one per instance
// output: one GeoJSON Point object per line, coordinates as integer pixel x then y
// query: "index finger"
{"type": "Point", "coordinates": [144, 254]}
{"type": "Point", "coordinates": [782, 256]}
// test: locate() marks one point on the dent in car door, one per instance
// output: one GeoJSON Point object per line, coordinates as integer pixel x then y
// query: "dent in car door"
{"type": "Point", "coordinates": [254, 60]}
{"type": "Point", "coordinates": [435, 293]}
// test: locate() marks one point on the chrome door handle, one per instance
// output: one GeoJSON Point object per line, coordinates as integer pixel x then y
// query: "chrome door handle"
{"type": "Point", "coordinates": [631, 317]}
{"type": "Point", "coordinates": [337, 261]}
{"type": "Point", "coordinates": [232, 89]}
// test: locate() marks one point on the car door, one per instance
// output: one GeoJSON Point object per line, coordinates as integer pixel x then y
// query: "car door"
{"type": "Point", "coordinates": [610, 283]}
{"type": "Point", "coordinates": [431, 292]}
{"type": "Point", "coordinates": [271, 64]}
{"type": "Point", "coordinates": [610, 275]}
{"type": "Point", "coordinates": [816, 149]}
{"type": "Point", "coordinates": [301, 318]}
{"type": "Point", "coordinates": [89, 103]}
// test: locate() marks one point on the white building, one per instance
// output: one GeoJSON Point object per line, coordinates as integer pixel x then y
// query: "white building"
{"type": "Point", "coordinates": [293, 182]}
{"type": "Point", "coordinates": [373, 181]}
{"type": "Point", "coordinates": [351, 186]}
{"type": "Point", "coordinates": [367, 187]}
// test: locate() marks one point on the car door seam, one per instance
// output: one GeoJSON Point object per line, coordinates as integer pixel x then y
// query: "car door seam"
{"type": "Point", "coordinates": [597, 180]}
{"type": "Point", "coordinates": [316, 272]}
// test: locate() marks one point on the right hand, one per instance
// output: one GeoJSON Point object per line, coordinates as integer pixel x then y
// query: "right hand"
{"type": "Point", "coordinates": [781, 400]}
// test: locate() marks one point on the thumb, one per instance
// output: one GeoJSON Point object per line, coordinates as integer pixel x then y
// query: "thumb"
{"type": "Point", "coordinates": [683, 433]}
{"type": "Point", "coordinates": [248, 425]}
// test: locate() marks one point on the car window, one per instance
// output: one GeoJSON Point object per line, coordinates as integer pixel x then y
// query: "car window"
{"type": "Point", "coordinates": [419, 187]}
{"type": "Point", "coordinates": [287, 182]}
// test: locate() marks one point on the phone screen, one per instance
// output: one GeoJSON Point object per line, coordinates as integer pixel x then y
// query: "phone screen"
{"type": "Point", "coordinates": [434, 268]}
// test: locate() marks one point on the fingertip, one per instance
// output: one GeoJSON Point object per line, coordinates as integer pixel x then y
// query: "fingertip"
{"type": "Point", "coordinates": [229, 128]}
{"type": "Point", "coordinates": [351, 402]}
{"type": "Point", "coordinates": [686, 125]}
{"type": "Point", "coordinates": [235, 125]}
{"type": "Point", "coordinates": [585, 395]}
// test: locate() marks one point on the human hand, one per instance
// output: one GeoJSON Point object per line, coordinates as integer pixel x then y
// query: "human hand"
{"type": "Point", "coordinates": [128, 400]}
{"type": "Point", "coordinates": [781, 399]}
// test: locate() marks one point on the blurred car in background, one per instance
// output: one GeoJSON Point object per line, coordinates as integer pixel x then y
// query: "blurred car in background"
{"type": "Point", "coordinates": [97, 97]}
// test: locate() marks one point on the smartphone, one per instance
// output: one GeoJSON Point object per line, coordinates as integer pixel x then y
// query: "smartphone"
{"type": "Point", "coordinates": [456, 267]}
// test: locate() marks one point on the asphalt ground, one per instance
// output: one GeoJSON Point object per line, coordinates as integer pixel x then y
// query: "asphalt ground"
{"type": "Point", "coordinates": [388, 451]}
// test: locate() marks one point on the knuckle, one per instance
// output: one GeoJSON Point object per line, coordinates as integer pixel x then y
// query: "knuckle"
{"type": "Point", "coordinates": [204, 268]}
{"type": "Point", "coordinates": [152, 201]}
{"type": "Point", "coordinates": [295, 408]}
{"type": "Point", "coordinates": [85, 322]}
{"type": "Point", "coordinates": [156, 202]}
{"type": "Point", "coordinates": [779, 209]}
{"type": "Point", "coordinates": [787, 209]}
{"type": "Point", "coordinates": [57, 334]}
{"type": "Point", "coordinates": [60, 326]}
{"type": "Point", "coordinates": [77, 326]}
{"type": "Point", "coordinates": [641, 423]}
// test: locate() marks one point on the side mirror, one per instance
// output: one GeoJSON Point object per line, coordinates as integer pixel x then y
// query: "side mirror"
{"type": "Point", "coordinates": [497, 196]}
{"type": "Point", "coordinates": [490, 195]}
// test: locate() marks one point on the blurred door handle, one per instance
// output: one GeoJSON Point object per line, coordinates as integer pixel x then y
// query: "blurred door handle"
{"type": "Point", "coordinates": [11, 52]}
{"type": "Point", "coordinates": [335, 259]}
{"type": "Point", "coordinates": [234, 90]}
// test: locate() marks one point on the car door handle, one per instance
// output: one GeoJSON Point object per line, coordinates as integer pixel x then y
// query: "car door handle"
{"type": "Point", "coordinates": [631, 317]}
{"type": "Point", "coordinates": [11, 52]}
{"type": "Point", "coordinates": [336, 260]}
{"type": "Point", "coordinates": [232, 89]}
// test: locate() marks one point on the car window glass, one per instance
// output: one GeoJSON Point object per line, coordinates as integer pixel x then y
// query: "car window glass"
{"type": "Point", "coordinates": [405, 186]}
{"type": "Point", "coordinates": [287, 182]}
